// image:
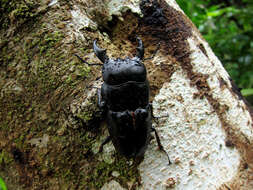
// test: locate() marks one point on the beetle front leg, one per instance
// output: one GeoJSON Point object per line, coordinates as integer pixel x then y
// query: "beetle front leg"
{"type": "Point", "coordinates": [108, 139]}
{"type": "Point", "coordinates": [159, 143]}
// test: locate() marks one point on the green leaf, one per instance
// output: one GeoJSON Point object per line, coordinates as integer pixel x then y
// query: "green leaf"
{"type": "Point", "coordinates": [215, 13]}
{"type": "Point", "coordinates": [247, 92]}
{"type": "Point", "coordinates": [219, 12]}
{"type": "Point", "coordinates": [2, 184]}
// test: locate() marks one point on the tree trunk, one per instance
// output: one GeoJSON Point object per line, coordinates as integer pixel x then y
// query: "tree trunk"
{"type": "Point", "coordinates": [51, 126]}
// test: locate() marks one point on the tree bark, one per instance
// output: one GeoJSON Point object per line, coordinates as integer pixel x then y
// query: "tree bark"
{"type": "Point", "coordinates": [51, 126]}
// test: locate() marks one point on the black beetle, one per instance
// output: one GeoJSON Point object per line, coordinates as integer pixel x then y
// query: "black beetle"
{"type": "Point", "coordinates": [124, 98]}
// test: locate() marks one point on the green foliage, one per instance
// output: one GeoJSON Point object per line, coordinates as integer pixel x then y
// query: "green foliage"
{"type": "Point", "coordinates": [228, 28]}
{"type": "Point", "coordinates": [247, 92]}
{"type": "Point", "coordinates": [5, 158]}
{"type": "Point", "coordinates": [2, 184]}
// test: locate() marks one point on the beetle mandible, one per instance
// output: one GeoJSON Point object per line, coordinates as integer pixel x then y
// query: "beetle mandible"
{"type": "Point", "coordinates": [124, 98]}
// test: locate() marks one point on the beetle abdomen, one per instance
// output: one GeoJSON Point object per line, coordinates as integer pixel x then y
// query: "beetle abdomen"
{"type": "Point", "coordinates": [130, 131]}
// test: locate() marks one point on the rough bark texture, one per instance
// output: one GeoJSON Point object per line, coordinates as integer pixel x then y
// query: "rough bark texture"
{"type": "Point", "coordinates": [50, 126]}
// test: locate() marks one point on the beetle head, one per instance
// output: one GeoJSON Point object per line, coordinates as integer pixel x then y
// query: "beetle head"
{"type": "Point", "coordinates": [119, 71]}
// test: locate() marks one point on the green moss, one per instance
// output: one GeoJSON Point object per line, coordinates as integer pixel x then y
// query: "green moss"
{"type": "Point", "coordinates": [49, 41]}
{"type": "Point", "coordinates": [4, 126]}
{"type": "Point", "coordinates": [15, 11]}
{"type": "Point", "coordinates": [79, 73]}
{"type": "Point", "coordinates": [69, 79]}
{"type": "Point", "coordinates": [40, 64]}
{"type": "Point", "coordinates": [45, 43]}
{"type": "Point", "coordinates": [82, 71]}
{"type": "Point", "coordinates": [68, 175]}
{"type": "Point", "coordinates": [22, 10]}
{"type": "Point", "coordinates": [103, 173]}
{"type": "Point", "coordinates": [16, 39]}
{"type": "Point", "coordinates": [20, 141]}
{"type": "Point", "coordinates": [85, 116]}
{"type": "Point", "coordinates": [5, 157]}
{"type": "Point", "coordinates": [86, 140]}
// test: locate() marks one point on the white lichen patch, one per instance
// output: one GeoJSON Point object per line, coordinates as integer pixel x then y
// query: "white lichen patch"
{"type": "Point", "coordinates": [194, 139]}
{"type": "Point", "coordinates": [53, 2]}
{"type": "Point", "coordinates": [107, 154]}
{"type": "Point", "coordinates": [80, 21]}
{"type": "Point", "coordinates": [117, 7]}
{"type": "Point", "coordinates": [40, 142]}
{"type": "Point", "coordinates": [212, 67]}
{"type": "Point", "coordinates": [112, 185]}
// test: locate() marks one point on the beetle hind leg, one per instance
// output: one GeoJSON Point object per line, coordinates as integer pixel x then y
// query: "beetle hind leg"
{"type": "Point", "coordinates": [160, 146]}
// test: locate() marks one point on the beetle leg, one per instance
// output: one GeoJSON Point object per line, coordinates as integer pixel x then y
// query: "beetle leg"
{"type": "Point", "coordinates": [108, 139]}
{"type": "Point", "coordinates": [159, 143]}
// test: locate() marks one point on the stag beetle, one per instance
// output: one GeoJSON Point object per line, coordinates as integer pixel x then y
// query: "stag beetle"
{"type": "Point", "coordinates": [124, 98]}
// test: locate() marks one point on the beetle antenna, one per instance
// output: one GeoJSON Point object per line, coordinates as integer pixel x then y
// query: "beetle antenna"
{"type": "Point", "coordinates": [140, 48]}
{"type": "Point", "coordinates": [100, 53]}
{"type": "Point", "coordinates": [90, 64]}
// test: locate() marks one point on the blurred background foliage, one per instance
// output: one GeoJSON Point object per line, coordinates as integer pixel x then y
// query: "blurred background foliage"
{"type": "Point", "coordinates": [2, 184]}
{"type": "Point", "coordinates": [227, 25]}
